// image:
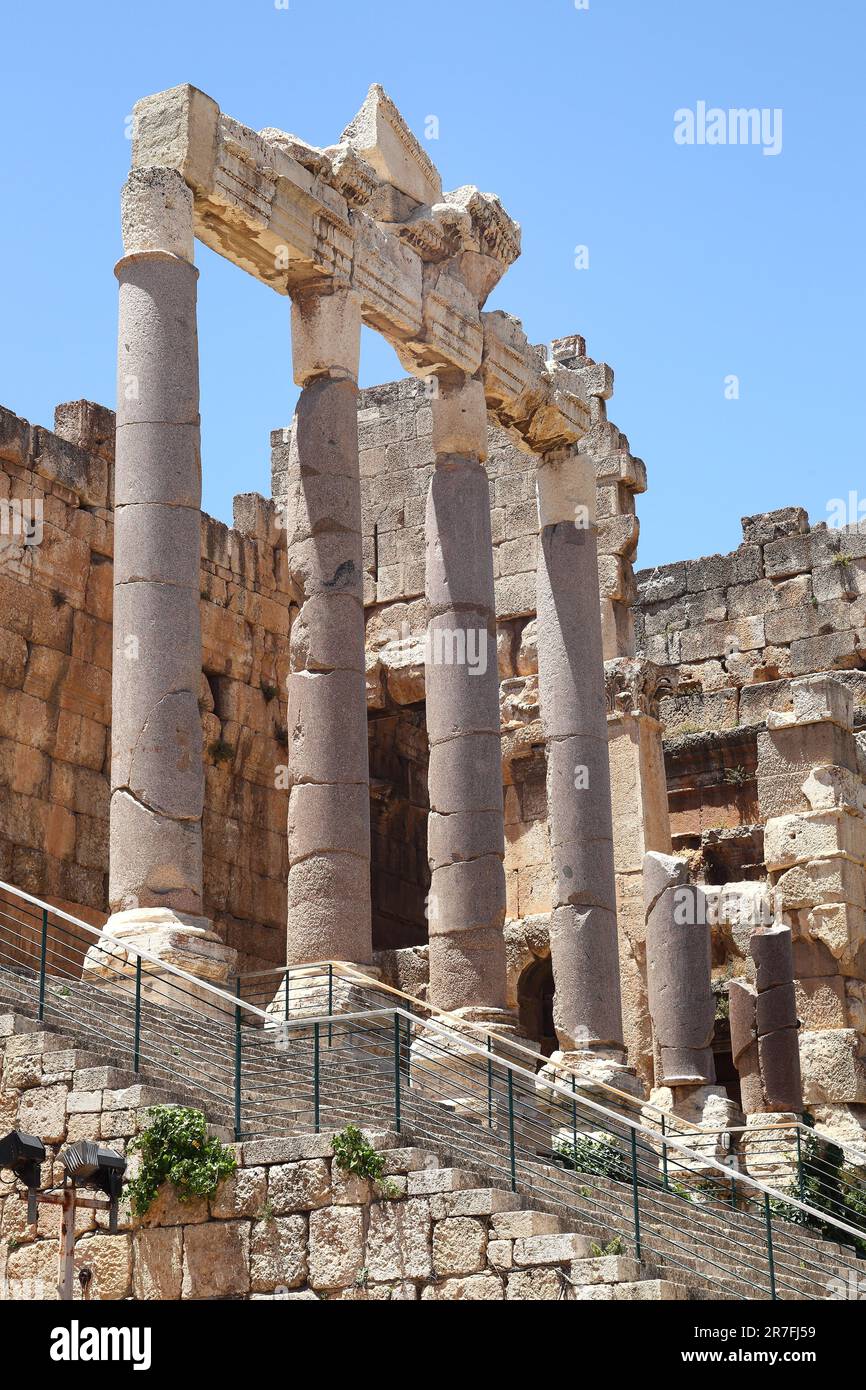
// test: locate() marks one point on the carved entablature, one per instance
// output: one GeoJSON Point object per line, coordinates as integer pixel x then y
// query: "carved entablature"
{"type": "Point", "coordinates": [635, 686]}
{"type": "Point", "coordinates": [368, 215]}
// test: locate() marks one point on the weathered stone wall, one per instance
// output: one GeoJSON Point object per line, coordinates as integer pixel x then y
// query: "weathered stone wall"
{"type": "Point", "coordinates": [788, 602]}
{"type": "Point", "coordinates": [288, 1224]}
{"type": "Point", "coordinates": [55, 672]}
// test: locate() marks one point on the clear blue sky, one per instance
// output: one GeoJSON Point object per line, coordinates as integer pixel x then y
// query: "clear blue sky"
{"type": "Point", "coordinates": [704, 261]}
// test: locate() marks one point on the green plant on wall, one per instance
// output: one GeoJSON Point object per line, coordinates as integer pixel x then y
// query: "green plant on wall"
{"type": "Point", "coordinates": [354, 1154]}
{"type": "Point", "coordinates": [175, 1147]}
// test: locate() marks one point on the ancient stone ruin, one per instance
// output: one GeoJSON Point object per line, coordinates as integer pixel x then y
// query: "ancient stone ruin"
{"type": "Point", "coordinates": [416, 711]}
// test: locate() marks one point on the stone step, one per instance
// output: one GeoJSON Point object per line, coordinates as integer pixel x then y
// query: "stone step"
{"type": "Point", "coordinates": [429, 1181]}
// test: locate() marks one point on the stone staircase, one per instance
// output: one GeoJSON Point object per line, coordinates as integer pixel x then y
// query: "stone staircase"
{"type": "Point", "coordinates": [694, 1240]}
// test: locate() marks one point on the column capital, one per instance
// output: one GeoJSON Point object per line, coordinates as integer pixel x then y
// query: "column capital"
{"type": "Point", "coordinates": [635, 686]}
{"type": "Point", "coordinates": [156, 214]}
{"type": "Point", "coordinates": [459, 416]}
{"type": "Point", "coordinates": [565, 488]}
{"type": "Point", "coordinates": [326, 335]}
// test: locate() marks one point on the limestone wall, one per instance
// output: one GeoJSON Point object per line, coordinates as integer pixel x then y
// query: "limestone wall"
{"type": "Point", "coordinates": [288, 1224]}
{"type": "Point", "coordinates": [55, 673]}
{"type": "Point", "coordinates": [788, 602]}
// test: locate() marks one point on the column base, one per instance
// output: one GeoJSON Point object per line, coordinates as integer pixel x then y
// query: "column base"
{"type": "Point", "coordinates": [311, 992]}
{"type": "Point", "coordinates": [176, 938]}
{"type": "Point", "coordinates": [446, 1067]}
{"type": "Point", "coordinates": [770, 1154]}
{"type": "Point", "coordinates": [707, 1107]}
{"type": "Point", "coordinates": [600, 1074]}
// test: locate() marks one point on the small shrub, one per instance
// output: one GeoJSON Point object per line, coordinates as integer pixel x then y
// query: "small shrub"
{"type": "Point", "coordinates": [355, 1155]}
{"type": "Point", "coordinates": [268, 690]}
{"type": "Point", "coordinates": [176, 1148]}
{"type": "Point", "coordinates": [598, 1155]}
{"type": "Point", "coordinates": [220, 751]}
{"type": "Point", "coordinates": [737, 776]}
{"type": "Point", "coordinates": [281, 734]}
{"type": "Point", "coordinates": [613, 1247]}
{"type": "Point", "coordinates": [842, 561]}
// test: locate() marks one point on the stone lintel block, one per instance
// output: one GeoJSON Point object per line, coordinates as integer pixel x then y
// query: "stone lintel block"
{"type": "Point", "coordinates": [177, 129]}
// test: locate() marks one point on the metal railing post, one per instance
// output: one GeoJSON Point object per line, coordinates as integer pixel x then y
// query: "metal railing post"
{"type": "Point", "coordinates": [634, 1193]}
{"type": "Point", "coordinates": [511, 1150]}
{"type": "Point", "coordinates": [316, 1092]}
{"type": "Point", "coordinates": [43, 954]}
{"type": "Point", "coordinates": [238, 1064]}
{"type": "Point", "coordinates": [136, 1047]}
{"type": "Point", "coordinates": [489, 1082]}
{"type": "Point", "coordinates": [800, 1181]}
{"type": "Point", "coordinates": [665, 1158]}
{"type": "Point", "coordinates": [397, 1072]}
{"type": "Point", "coordinates": [286, 984]}
{"type": "Point", "coordinates": [330, 1000]}
{"type": "Point", "coordinates": [574, 1120]}
{"type": "Point", "coordinates": [408, 1052]}
{"type": "Point", "coordinates": [770, 1259]}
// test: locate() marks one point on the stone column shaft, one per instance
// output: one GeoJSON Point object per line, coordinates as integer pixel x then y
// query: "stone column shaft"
{"type": "Point", "coordinates": [157, 775]}
{"type": "Point", "coordinates": [679, 973]}
{"type": "Point", "coordinates": [466, 842]}
{"type": "Point", "coordinates": [329, 795]}
{"type": "Point", "coordinates": [764, 1027]}
{"type": "Point", "coordinates": [583, 931]}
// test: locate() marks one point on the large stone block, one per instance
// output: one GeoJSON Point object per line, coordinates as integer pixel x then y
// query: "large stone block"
{"type": "Point", "coordinates": [158, 1264]}
{"type": "Point", "coordinates": [296, 1187]}
{"type": "Point", "coordinates": [459, 1246]}
{"type": "Point", "coordinates": [399, 1240]}
{"type": "Point", "coordinates": [278, 1253]}
{"type": "Point", "coordinates": [336, 1247]}
{"type": "Point", "coordinates": [216, 1259]}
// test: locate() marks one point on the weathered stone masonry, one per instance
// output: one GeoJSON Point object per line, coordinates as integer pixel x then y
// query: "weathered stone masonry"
{"type": "Point", "coordinates": [55, 631]}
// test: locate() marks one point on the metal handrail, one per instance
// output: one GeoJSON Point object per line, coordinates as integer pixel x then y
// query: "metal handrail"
{"type": "Point", "coordinates": [567, 1095]}
{"type": "Point", "coordinates": [346, 970]}
{"type": "Point", "coordinates": [163, 967]}
{"type": "Point", "coordinates": [251, 1059]}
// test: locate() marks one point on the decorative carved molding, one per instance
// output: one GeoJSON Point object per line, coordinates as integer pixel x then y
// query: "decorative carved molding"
{"type": "Point", "coordinates": [634, 685]}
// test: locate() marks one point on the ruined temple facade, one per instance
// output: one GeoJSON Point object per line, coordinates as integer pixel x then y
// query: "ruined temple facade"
{"type": "Point", "coordinates": [416, 710]}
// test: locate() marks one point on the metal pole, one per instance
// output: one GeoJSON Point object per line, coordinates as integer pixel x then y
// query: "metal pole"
{"type": "Point", "coordinates": [665, 1158]}
{"type": "Point", "coordinates": [316, 1077]}
{"type": "Point", "coordinates": [770, 1260]}
{"type": "Point", "coordinates": [635, 1202]}
{"type": "Point", "coordinates": [397, 1072]}
{"type": "Point", "coordinates": [330, 1000]}
{"type": "Point", "coordinates": [66, 1261]}
{"type": "Point", "coordinates": [800, 1182]}
{"type": "Point", "coordinates": [137, 1041]}
{"type": "Point", "coordinates": [238, 1066]}
{"type": "Point", "coordinates": [43, 952]}
{"type": "Point", "coordinates": [489, 1082]}
{"type": "Point", "coordinates": [511, 1130]}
